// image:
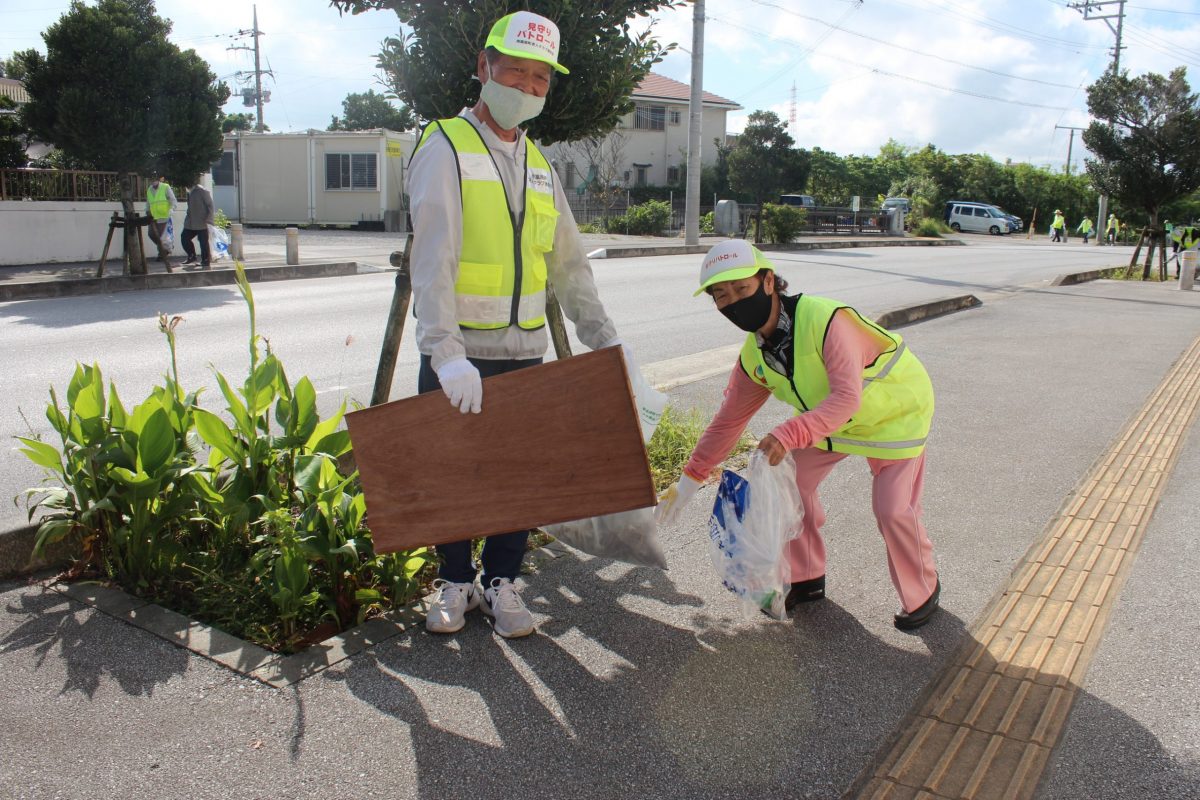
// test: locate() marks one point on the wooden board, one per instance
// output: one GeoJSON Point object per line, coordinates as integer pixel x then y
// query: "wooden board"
{"type": "Point", "coordinates": [556, 442]}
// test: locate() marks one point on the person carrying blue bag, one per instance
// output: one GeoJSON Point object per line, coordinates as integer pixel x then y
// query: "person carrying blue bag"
{"type": "Point", "coordinates": [857, 390]}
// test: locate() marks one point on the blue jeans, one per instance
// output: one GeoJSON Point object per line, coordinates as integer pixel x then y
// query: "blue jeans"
{"type": "Point", "coordinates": [503, 552]}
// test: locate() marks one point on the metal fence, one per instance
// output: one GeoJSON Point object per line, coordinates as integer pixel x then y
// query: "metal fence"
{"type": "Point", "coordinates": [822, 220]}
{"type": "Point", "coordinates": [65, 184]}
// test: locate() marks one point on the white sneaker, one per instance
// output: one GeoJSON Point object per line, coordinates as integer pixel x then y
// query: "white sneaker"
{"type": "Point", "coordinates": [448, 608]}
{"type": "Point", "coordinates": [503, 604]}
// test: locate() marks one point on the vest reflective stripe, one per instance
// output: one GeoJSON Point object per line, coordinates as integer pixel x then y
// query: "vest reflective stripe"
{"type": "Point", "coordinates": [502, 267]}
{"type": "Point", "coordinates": [893, 419]}
{"type": "Point", "coordinates": [156, 199]}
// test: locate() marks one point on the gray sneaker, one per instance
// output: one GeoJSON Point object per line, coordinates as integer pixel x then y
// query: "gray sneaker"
{"type": "Point", "coordinates": [449, 606]}
{"type": "Point", "coordinates": [502, 602]}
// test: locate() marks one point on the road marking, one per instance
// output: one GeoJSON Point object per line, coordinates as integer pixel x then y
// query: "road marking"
{"type": "Point", "coordinates": [672, 372]}
{"type": "Point", "coordinates": [999, 707]}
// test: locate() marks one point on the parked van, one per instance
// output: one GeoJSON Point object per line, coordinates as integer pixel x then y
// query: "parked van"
{"type": "Point", "coordinates": [802, 200]}
{"type": "Point", "coordinates": [964, 215]}
{"type": "Point", "coordinates": [902, 203]}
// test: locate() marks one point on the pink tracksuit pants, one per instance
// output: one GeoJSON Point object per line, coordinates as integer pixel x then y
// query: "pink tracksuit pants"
{"type": "Point", "coordinates": [896, 501]}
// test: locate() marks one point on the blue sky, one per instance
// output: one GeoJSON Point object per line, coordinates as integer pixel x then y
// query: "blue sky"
{"type": "Point", "coordinates": [969, 76]}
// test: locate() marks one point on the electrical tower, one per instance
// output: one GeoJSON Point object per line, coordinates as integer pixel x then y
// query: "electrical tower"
{"type": "Point", "coordinates": [256, 96]}
{"type": "Point", "coordinates": [1070, 142]}
{"type": "Point", "coordinates": [792, 112]}
{"type": "Point", "coordinates": [1103, 9]}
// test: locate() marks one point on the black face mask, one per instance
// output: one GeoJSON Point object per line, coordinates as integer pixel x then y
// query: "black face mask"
{"type": "Point", "coordinates": [750, 313]}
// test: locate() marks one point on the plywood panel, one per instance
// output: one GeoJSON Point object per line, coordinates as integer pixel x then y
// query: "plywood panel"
{"type": "Point", "coordinates": [553, 443]}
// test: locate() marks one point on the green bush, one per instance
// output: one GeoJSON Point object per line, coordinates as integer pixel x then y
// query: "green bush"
{"type": "Point", "coordinates": [648, 219]}
{"type": "Point", "coordinates": [596, 226]}
{"type": "Point", "coordinates": [782, 223]}
{"type": "Point", "coordinates": [263, 536]}
{"type": "Point", "coordinates": [220, 220]}
{"type": "Point", "coordinates": [706, 223]}
{"type": "Point", "coordinates": [928, 226]}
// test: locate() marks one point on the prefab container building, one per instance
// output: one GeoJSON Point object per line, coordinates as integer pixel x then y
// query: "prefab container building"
{"type": "Point", "coordinates": [314, 177]}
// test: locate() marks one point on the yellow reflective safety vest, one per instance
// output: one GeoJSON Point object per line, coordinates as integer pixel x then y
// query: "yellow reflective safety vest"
{"type": "Point", "coordinates": [502, 268]}
{"type": "Point", "coordinates": [157, 204]}
{"type": "Point", "coordinates": [897, 400]}
{"type": "Point", "coordinates": [1113, 224]}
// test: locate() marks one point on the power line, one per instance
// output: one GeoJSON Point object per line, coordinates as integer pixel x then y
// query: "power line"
{"type": "Point", "coordinates": [919, 52]}
{"type": "Point", "coordinates": [1010, 30]}
{"type": "Point", "coordinates": [879, 71]}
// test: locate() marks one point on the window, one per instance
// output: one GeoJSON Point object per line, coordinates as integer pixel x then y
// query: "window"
{"type": "Point", "coordinates": [675, 116]}
{"type": "Point", "coordinates": [351, 171]}
{"type": "Point", "coordinates": [222, 171]}
{"type": "Point", "coordinates": [569, 180]}
{"type": "Point", "coordinates": [641, 176]}
{"type": "Point", "coordinates": [672, 175]}
{"type": "Point", "coordinates": [650, 118]}
{"type": "Point", "coordinates": [626, 177]}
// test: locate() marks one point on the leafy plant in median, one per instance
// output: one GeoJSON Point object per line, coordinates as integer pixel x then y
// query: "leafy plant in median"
{"type": "Point", "coordinates": [265, 537]}
{"type": "Point", "coordinates": [782, 223]}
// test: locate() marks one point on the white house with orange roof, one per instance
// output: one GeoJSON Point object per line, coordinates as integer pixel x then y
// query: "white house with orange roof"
{"type": "Point", "coordinates": [654, 136]}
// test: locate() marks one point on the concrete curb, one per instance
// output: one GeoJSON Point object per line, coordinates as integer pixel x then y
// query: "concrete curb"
{"type": "Point", "coordinates": [1078, 277]}
{"type": "Point", "coordinates": [907, 315]}
{"type": "Point", "coordinates": [697, 249]}
{"type": "Point", "coordinates": [16, 552]}
{"type": "Point", "coordinates": [246, 658]}
{"type": "Point", "coordinates": [74, 287]}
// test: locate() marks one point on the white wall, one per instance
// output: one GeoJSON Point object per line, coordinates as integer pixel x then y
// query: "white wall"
{"type": "Point", "coordinates": [38, 232]}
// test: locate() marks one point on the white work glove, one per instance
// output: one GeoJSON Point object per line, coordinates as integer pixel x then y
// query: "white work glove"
{"type": "Point", "coordinates": [630, 362]}
{"type": "Point", "coordinates": [672, 502]}
{"type": "Point", "coordinates": [462, 384]}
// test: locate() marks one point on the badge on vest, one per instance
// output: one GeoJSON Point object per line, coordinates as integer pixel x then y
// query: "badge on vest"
{"type": "Point", "coordinates": [760, 376]}
{"type": "Point", "coordinates": [539, 180]}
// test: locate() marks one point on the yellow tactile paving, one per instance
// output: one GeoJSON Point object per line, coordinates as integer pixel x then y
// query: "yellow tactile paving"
{"type": "Point", "coordinates": [989, 725]}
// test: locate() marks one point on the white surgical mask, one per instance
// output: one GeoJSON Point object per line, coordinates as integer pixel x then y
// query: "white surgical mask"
{"type": "Point", "coordinates": [508, 106]}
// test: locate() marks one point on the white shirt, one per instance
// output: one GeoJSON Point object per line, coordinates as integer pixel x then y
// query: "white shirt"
{"type": "Point", "coordinates": [435, 201]}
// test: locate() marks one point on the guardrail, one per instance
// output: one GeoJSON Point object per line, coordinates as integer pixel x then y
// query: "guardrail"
{"type": "Point", "coordinates": [830, 220]}
{"type": "Point", "coordinates": [65, 184]}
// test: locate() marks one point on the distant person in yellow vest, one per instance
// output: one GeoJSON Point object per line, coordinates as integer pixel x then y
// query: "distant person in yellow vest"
{"type": "Point", "coordinates": [1085, 228]}
{"type": "Point", "coordinates": [160, 203]}
{"type": "Point", "coordinates": [1111, 229]}
{"type": "Point", "coordinates": [491, 223]}
{"type": "Point", "coordinates": [855, 388]}
{"type": "Point", "coordinates": [1058, 228]}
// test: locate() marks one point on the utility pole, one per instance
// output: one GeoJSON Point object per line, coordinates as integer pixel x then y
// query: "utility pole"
{"type": "Point", "coordinates": [259, 97]}
{"type": "Point", "coordinates": [1103, 10]}
{"type": "Point", "coordinates": [1070, 142]}
{"type": "Point", "coordinates": [691, 208]}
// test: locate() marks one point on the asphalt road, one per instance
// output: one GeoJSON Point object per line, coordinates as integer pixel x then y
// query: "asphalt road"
{"type": "Point", "coordinates": [331, 329]}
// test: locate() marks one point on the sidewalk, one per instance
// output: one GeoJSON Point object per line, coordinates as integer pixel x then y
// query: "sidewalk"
{"type": "Point", "coordinates": [647, 684]}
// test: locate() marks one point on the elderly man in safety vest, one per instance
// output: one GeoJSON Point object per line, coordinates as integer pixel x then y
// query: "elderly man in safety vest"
{"type": "Point", "coordinates": [491, 227]}
{"type": "Point", "coordinates": [1111, 229]}
{"type": "Point", "coordinates": [160, 203]}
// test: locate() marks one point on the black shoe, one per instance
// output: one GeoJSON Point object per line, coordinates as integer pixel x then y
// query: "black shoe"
{"type": "Point", "coordinates": [911, 620]}
{"type": "Point", "coordinates": [805, 592]}
{"type": "Point", "coordinates": [189, 260]}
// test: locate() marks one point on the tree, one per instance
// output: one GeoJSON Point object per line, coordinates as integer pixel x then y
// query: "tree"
{"type": "Point", "coordinates": [764, 164]}
{"type": "Point", "coordinates": [113, 92]}
{"type": "Point", "coordinates": [605, 159]}
{"type": "Point", "coordinates": [368, 110]}
{"type": "Point", "coordinates": [239, 122]}
{"type": "Point", "coordinates": [1146, 139]}
{"type": "Point", "coordinates": [432, 68]}
{"type": "Point", "coordinates": [17, 65]}
{"type": "Point", "coordinates": [12, 136]}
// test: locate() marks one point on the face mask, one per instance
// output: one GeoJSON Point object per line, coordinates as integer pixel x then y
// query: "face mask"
{"type": "Point", "coordinates": [510, 107]}
{"type": "Point", "coordinates": [750, 313]}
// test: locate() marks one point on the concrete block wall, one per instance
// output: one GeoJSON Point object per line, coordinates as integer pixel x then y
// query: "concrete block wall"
{"type": "Point", "coordinates": [50, 232]}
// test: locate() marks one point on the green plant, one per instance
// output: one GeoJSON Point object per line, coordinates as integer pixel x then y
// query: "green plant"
{"type": "Point", "coordinates": [220, 220]}
{"type": "Point", "coordinates": [264, 537]}
{"type": "Point", "coordinates": [706, 223]}
{"type": "Point", "coordinates": [596, 226]}
{"type": "Point", "coordinates": [782, 223]}
{"type": "Point", "coordinates": [673, 441]}
{"type": "Point", "coordinates": [650, 218]}
{"type": "Point", "coordinates": [928, 226]}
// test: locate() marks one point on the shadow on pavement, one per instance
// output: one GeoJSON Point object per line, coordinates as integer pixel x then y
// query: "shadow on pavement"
{"type": "Point", "coordinates": [92, 646]}
{"type": "Point", "coordinates": [69, 312]}
{"type": "Point", "coordinates": [633, 689]}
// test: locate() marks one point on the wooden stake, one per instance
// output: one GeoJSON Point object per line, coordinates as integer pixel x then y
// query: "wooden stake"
{"type": "Point", "coordinates": [113, 224]}
{"type": "Point", "coordinates": [394, 329]}
{"type": "Point", "coordinates": [558, 328]}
